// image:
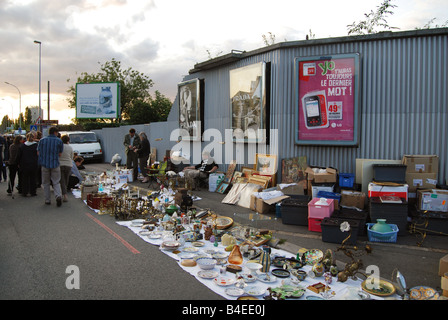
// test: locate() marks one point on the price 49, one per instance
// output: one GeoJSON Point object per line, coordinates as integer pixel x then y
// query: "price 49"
{"type": "Point", "coordinates": [335, 110]}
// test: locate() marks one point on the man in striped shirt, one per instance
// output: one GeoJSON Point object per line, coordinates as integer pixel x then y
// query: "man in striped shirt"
{"type": "Point", "coordinates": [49, 150]}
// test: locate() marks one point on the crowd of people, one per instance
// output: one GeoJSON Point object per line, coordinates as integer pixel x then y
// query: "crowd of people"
{"type": "Point", "coordinates": [36, 161]}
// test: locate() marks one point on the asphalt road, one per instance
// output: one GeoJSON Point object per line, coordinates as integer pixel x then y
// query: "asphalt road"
{"type": "Point", "coordinates": [44, 247]}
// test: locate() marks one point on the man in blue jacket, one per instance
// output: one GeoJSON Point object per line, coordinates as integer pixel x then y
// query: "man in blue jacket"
{"type": "Point", "coordinates": [49, 150]}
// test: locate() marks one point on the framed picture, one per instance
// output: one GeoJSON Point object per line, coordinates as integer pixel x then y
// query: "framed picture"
{"type": "Point", "coordinates": [236, 175]}
{"type": "Point", "coordinates": [328, 100]}
{"type": "Point", "coordinates": [223, 186]}
{"type": "Point", "coordinates": [247, 172]}
{"type": "Point", "coordinates": [230, 171]}
{"type": "Point", "coordinates": [262, 181]}
{"type": "Point", "coordinates": [293, 169]}
{"type": "Point", "coordinates": [190, 109]}
{"type": "Point", "coordinates": [265, 164]}
{"type": "Point", "coordinates": [249, 103]}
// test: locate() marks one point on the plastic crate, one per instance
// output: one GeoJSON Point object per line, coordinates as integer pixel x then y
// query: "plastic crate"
{"type": "Point", "coordinates": [346, 180]}
{"type": "Point", "coordinates": [316, 210]}
{"type": "Point", "coordinates": [314, 224]}
{"type": "Point", "coordinates": [331, 230]}
{"type": "Point", "coordinates": [389, 173]}
{"type": "Point", "coordinates": [294, 210]}
{"type": "Point", "coordinates": [390, 237]}
{"type": "Point", "coordinates": [329, 195]}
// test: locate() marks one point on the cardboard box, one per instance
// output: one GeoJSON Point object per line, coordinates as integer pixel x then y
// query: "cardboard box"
{"type": "Point", "coordinates": [443, 265]}
{"type": "Point", "coordinates": [292, 189]}
{"type": "Point", "coordinates": [264, 206]}
{"type": "Point", "coordinates": [421, 180]}
{"type": "Point", "coordinates": [327, 177]}
{"type": "Point", "coordinates": [124, 175]}
{"type": "Point", "coordinates": [421, 163]}
{"type": "Point", "coordinates": [85, 190]}
{"type": "Point", "coordinates": [353, 199]}
{"type": "Point", "coordinates": [378, 190]}
{"type": "Point", "coordinates": [433, 200]}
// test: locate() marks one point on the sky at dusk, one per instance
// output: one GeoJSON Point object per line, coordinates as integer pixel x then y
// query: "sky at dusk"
{"type": "Point", "coordinates": [163, 39]}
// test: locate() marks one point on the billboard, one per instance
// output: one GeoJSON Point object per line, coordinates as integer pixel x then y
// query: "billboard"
{"type": "Point", "coordinates": [327, 100]}
{"type": "Point", "coordinates": [98, 100]}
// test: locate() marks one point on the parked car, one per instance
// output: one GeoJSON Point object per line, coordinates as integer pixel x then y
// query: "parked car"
{"type": "Point", "coordinates": [85, 144]}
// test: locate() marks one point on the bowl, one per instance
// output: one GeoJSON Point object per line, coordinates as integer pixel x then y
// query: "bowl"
{"type": "Point", "coordinates": [206, 263]}
{"type": "Point", "coordinates": [253, 266]}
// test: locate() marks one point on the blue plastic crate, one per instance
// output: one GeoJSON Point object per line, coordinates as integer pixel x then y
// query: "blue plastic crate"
{"type": "Point", "coordinates": [346, 180]}
{"type": "Point", "coordinates": [329, 195]}
{"type": "Point", "coordinates": [390, 237]}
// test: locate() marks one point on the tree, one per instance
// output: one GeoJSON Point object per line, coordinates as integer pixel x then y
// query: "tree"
{"type": "Point", "coordinates": [134, 86]}
{"type": "Point", "coordinates": [155, 110]}
{"type": "Point", "coordinates": [373, 20]}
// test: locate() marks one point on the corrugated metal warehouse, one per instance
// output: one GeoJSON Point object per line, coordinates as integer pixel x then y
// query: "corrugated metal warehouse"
{"type": "Point", "coordinates": [402, 98]}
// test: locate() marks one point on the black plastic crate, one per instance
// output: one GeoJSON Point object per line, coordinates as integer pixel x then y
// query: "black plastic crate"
{"type": "Point", "coordinates": [353, 214]}
{"type": "Point", "coordinates": [389, 173]}
{"type": "Point", "coordinates": [294, 210]}
{"type": "Point", "coordinates": [331, 230]}
{"type": "Point", "coordinates": [394, 213]}
{"type": "Point", "coordinates": [434, 222]}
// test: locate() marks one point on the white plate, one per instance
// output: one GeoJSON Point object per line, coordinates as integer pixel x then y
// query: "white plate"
{"type": "Point", "coordinates": [186, 255]}
{"type": "Point", "coordinates": [248, 278]}
{"type": "Point", "coordinates": [234, 292]}
{"type": "Point", "coordinates": [263, 277]}
{"type": "Point", "coordinates": [224, 281]}
{"type": "Point", "coordinates": [198, 244]}
{"type": "Point", "coordinates": [154, 236]}
{"type": "Point", "coordinates": [190, 249]}
{"type": "Point", "coordinates": [254, 291]}
{"type": "Point", "coordinates": [208, 274]}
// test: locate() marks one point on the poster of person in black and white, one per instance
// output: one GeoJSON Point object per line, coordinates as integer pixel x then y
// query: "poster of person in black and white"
{"type": "Point", "coordinates": [247, 94]}
{"type": "Point", "coordinates": [189, 112]}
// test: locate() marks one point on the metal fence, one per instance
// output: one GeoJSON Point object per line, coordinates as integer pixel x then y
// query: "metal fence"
{"type": "Point", "coordinates": [403, 100]}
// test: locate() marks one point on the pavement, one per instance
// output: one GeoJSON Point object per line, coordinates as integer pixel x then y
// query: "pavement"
{"type": "Point", "coordinates": [419, 263]}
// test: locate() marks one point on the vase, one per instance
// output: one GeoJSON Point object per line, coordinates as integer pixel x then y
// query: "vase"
{"type": "Point", "coordinates": [235, 256]}
{"type": "Point", "coordinates": [265, 260]}
{"type": "Point", "coordinates": [381, 226]}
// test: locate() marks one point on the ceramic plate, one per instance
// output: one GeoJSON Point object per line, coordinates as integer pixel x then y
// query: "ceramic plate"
{"type": "Point", "coordinates": [154, 236]}
{"type": "Point", "coordinates": [220, 255]}
{"type": "Point", "coordinates": [385, 288]}
{"type": "Point", "coordinates": [197, 244]}
{"type": "Point", "coordinates": [423, 293]}
{"type": "Point", "coordinates": [223, 222]}
{"type": "Point", "coordinates": [208, 274]}
{"type": "Point", "coordinates": [313, 256]}
{"type": "Point", "coordinates": [264, 277]}
{"type": "Point", "coordinates": [255, 291]}
{"type": "Point", "coordinates": [224, 281]}
{"type": "Point", "coordinates": [186, 255]}
{"type": "Point", "coordinates": [281, 273]}
{"type": "Point", "coordinates": [248, 277]}
{"type": "Point", "coordinates": [234, 292]}
{"type": "Point", "coordinates": [190, 249]}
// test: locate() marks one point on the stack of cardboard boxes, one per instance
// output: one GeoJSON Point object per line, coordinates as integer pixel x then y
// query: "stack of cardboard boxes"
{"type": "Point", "coordinates": [421, 172]}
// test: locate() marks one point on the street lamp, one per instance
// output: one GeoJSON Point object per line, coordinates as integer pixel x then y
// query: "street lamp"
{"type": "Point", "coordinates": [40, 64]}
{"type": "Point", "coordinates": [20, 103]}
{"type": "Point", "coordinates": [12, 112]}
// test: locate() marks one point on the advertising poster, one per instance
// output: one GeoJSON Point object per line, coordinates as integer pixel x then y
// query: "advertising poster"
{"type": "Point", "coordinates": [190, 109]}
{"type": "Point", "coordinates": [247, 97]}
{"type": "Point", "coordinates": [98, 100]}
{"type": "Point", "coordinates": [327, 100]}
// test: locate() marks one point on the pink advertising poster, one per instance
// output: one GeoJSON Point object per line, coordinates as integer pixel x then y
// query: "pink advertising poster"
{"type": "Point", "coordinates": [327, 98]}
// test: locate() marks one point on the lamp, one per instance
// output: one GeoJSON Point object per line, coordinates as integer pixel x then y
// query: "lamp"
{"type": "Point", "coordinates": [40, 64]}
{"type": "Point", "coordinates": [20, 103]}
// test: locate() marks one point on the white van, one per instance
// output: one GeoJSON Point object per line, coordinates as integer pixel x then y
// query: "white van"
{"type": "Point", "coordinates": [85, 144]}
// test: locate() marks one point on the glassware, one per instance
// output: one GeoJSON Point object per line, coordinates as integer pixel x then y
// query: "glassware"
{"type": "Point", "coordinates": [235, 256]}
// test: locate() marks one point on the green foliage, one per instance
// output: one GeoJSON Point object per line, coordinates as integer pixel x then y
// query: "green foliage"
{"type": "Point", "coordinates": [134, 87]}
{"type": "Point", "coordinates": [373, 20]}
{"type": "Point", "coordinates": [429, 25]}
{"type": "Point", "coordinates": [268, 40]}
{"type": "Point", "coordinates": [153, 111]}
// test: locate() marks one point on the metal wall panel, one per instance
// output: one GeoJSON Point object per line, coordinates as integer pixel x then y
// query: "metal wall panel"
{"type": "Point", "coordinates": [404, 84]}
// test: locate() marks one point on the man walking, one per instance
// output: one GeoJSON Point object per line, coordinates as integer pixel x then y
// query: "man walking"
{"type": "Point", "coordinates": [132, 144]}
{"type": "Point", "coordinates": [49, 149]}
